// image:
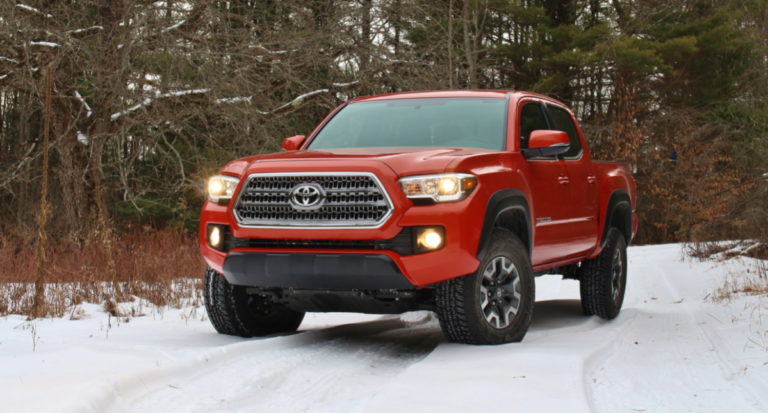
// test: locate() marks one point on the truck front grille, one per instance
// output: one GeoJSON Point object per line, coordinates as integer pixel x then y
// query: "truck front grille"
{"type": "Point", "coordinates": [341, 199]}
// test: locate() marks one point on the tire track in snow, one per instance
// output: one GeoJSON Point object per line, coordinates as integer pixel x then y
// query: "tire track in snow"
{"type": "Point", "coordinates": [667, 362]}
{"type": "Point", "coordinates": [544, 373]}
{"type": "Point", "coordinates": [752, 384]}
{"type": "Point", "coordinates": [324, 370]}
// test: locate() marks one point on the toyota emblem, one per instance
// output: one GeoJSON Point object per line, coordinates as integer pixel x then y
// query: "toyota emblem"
{"type": "Point", "coordinates": [307, 196]}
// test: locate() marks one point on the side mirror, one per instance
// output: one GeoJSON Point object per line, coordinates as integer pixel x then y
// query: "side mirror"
{"type": "Point", "coordinates": [547, 143]}
{"type": "Point", "coordinates": [293, 143]}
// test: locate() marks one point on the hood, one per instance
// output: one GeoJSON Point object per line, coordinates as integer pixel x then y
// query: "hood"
{"type": "Point", "coordinates": [403, 161]}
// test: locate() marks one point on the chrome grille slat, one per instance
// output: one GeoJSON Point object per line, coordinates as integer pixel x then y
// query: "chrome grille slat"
{"type": "Point", "coordinates": [352, 200]}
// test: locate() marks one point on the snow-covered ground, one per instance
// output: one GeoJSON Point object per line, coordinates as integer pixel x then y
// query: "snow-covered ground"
{"type": "Point", "coordinates": [670, 350]}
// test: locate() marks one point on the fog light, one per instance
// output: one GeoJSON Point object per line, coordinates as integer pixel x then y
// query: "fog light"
{"type": "Point", "coordinates": [215, 237]}
{"type": "Point", "coordinates": [432, 240]}
{"type": "Point", "coordinates": [429, 239]}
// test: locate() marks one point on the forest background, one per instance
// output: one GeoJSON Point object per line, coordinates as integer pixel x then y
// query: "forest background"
{"type": "Point", "coordinates": [150, 98]}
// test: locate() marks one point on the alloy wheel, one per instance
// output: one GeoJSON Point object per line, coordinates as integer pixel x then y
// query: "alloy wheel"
{"type": "Point", "coordinates": [500, 292]}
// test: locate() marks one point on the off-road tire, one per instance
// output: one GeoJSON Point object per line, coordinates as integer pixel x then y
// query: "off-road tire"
{"type": "Point", "coordinates": [234, 312]}
{"type": "Point", "coordinates": [599, 294]}
{"type": "Point", "coordinates": [459, 307]}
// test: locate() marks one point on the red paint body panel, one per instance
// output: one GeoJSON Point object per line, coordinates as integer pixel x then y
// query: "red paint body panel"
{"type": "Point", "coordinates": [293, 143]}
{"type": "Point", "coordinates": [545, 139]}
{"type": "Point", "coordinates": [568, 199]}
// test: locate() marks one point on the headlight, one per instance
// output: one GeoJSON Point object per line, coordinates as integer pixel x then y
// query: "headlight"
{"type": "Point", "coordinates": [449, 187]}
{"type": "Point", "coordinates": [221, 188]}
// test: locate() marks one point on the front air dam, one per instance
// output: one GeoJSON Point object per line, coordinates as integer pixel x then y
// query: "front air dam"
{"type": "Point", "coordinates": [314, 271]}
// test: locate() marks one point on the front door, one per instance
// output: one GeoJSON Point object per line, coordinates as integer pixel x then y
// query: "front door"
{"type": "Point", "coordinates": [583, 203]}
{"type": "Point", "coordinates": [549, 189]}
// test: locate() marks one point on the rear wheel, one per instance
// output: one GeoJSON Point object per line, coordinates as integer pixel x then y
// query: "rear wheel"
{"type": "Point", "coordinates": [494, 305]}
{"type": "Point", "coordinates": [234, 312]}
{"type": "Point", "coordinates": [604, 279]}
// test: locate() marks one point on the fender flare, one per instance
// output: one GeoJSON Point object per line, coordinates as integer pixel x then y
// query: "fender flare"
{"type": "Point", "coordinates": [619, 199]}
{"type": "Point", "coordinates": [502, 201]}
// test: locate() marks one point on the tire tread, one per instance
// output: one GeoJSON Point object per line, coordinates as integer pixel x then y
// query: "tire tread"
{"type": "Point", "coordinates": [595, 296]}
{"type": "Point", "coordinates": [220, 304]}
{"type": "Point", "coordinates": [227, 309]}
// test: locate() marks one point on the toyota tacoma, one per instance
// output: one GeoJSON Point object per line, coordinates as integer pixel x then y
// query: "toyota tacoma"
{"type": "Point", "coordinates": [449, 201]}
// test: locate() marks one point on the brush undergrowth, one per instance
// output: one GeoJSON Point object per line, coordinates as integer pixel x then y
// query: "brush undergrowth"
{"type": "Point", "coordinates": [162, 267]}
{"type": "Point", "coordinates": [748, 275]}
{"type": "Point", "coordinates": [753, 280]}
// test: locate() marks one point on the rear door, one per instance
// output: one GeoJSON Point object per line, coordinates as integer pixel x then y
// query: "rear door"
{"type": "Point", "coordinates": [548, 189]}
{"type": "Point", "coordinates": [582, 184]}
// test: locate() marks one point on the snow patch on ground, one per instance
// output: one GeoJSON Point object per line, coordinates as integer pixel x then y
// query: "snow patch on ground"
{"type": "Point", "coordinates": [670, 350]}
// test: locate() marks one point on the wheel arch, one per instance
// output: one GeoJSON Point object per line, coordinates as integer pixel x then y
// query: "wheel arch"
{"type": "Point", "coordinates": [508, 209]}
{"type": "Point", "coordinates": [618, 214]}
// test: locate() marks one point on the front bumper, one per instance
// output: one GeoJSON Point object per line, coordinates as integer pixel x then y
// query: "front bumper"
{"type": "Point", "coordinates": [327, 268]}
{"type": "Point", "coordinates": [455, 259]}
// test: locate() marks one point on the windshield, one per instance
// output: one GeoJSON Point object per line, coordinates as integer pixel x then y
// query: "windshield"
{"type": "Point", "coordinates": [431, 122]}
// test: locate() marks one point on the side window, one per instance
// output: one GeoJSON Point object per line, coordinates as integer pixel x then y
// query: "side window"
{"type": "Point", "coordinates": [531, 119]}
{"type": "Point", "coordinates": [562, 121]}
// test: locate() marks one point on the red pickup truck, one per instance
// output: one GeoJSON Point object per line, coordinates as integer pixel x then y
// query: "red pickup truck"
{"type": "Point", "coordinates": [448, 201]}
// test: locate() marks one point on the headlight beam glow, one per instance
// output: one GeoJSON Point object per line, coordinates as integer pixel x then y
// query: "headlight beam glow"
{"type": "Point", "coordinates": [448, 187]}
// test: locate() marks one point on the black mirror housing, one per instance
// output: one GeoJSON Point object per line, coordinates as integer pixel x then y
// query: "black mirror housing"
{"type": "Point", "coordinates": [548, 151]}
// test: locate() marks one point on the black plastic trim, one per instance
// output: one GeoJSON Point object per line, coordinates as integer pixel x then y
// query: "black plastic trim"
{"type": "Point", "coordinates": [370, 302]}
{"type": "Point", "coordinates": [402, 243]}
{"type": "Point", "coordinates": [499, 202]}
{"type": "Point", "coordinates": [618, 197]}
{"type": "Point", "coordinates": [548, 151]}
{"type": "Point", "coordinates": [314, 271]}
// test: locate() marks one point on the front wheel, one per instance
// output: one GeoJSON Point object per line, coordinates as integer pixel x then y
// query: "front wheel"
{"type": "Point", "coordinates": [234, 312]}
{"type": "Point", "coordinates": [604, 279]}
{"type": "Point", "coordinates": [493, 305]}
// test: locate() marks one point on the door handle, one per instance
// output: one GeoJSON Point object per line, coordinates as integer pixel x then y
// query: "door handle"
{"type": "Point", "coordinates": [592, 179]}
{"type": "Point", "coordinates": [563, 180]}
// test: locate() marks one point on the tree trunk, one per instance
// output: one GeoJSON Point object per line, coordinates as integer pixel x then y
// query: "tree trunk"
{"type": "Point", "coordinates": [39, 305]}
{"type": "Point", "coordinates": [24, 204]}
{"type": "Point", "coordinates": [71, 174]}
{"type": "Point", "coordinates": [468, 48]}
{"type": "Point", "coordinates": [366, 45]}
{"type": "Point", "coordinates": [450, 45]}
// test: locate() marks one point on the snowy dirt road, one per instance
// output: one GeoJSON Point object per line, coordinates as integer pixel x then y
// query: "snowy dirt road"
{"type": "Point", "coordinates": [670, 350]}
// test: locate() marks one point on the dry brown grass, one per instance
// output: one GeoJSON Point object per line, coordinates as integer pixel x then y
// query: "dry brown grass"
{"type": "Point", "coordinates": [162, 267]}
{"type": "Point", "coordinates": [725, 250]}
{"type": "Point", "coordinates": [752, 281]}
